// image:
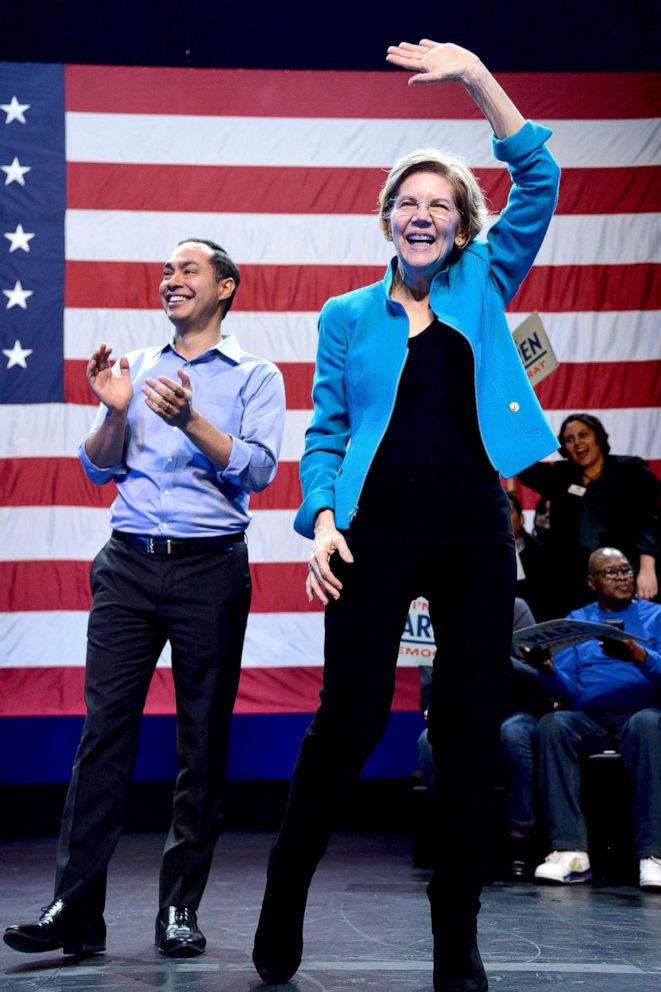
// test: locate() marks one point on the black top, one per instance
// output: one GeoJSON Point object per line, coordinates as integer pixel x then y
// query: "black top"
{"type": "Point", "coordinates": [431, 476]}
{"type": "Point", "coordinates": [618, 510]}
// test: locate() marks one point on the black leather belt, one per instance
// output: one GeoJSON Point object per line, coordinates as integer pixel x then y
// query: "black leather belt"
{"type": "Point", "coordinates": [178, 547]}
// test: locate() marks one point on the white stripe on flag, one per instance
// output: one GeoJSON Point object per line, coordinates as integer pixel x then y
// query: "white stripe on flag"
{"type": "Point", "coordinates": [583, 336]}
{"type": "Point", "coordinates": [354, 142]}
{"type": "Point", "coordinates": [51, 430]}
{"type": "Point", "coordinates": [74, 533]}
{"type": "Point", "coordinates": [280, 337]}
{"type": "Point", "coordinates": [282, 640]}
{"type": "Point", "coordinates": [328, 239]}
{"type": "Point", "coordinates": [607, 336]}
{"type": "Point", "coordinates": [54, 430]}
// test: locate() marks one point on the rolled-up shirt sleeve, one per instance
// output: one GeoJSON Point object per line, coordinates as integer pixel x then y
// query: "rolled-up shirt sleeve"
{"type": "Point", "coordinates": [255, 450]}
{"type": "Point", "coordinates": [99, 476]}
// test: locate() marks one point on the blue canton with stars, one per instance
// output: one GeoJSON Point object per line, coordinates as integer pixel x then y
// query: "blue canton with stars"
{"type": "Point", "coordinates": [32, 208]}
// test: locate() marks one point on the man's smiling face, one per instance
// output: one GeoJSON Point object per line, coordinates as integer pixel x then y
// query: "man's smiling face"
{"type": "Point", "coordinates": [189, 290]}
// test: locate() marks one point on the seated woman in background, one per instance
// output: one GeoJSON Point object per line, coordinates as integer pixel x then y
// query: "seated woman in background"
{"type": "Point", "coordinates": [597, 500]}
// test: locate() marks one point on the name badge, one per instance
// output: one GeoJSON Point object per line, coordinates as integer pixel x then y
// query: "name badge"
{"type": "Point", "coordinates": [576, 490]}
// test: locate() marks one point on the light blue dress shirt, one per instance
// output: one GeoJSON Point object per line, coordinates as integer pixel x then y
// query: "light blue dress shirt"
{"type": "Point", "coordinates": [166, 485]}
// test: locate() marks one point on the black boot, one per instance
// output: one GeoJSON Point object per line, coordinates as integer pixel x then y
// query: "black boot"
{"type": "Point", "coordinates": [457, 965]}
{"type": "Point", "coordinates": [520, 858]}
{"type": "Point", "coordinates": [279, 938]}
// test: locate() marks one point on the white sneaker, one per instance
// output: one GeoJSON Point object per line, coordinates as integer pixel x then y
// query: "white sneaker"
{"type": "Point", "coordinates": [650, 874]}
{"type": "Point", "coordinates": [563, 867]}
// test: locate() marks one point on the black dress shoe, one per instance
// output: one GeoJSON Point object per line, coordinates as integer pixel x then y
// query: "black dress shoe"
{"type": "Point", "coordinates": [177, 932]}
{"type": "Point", "coordinates": [458, 967]}
{"type": "Point", "coordinates": [59, 925]}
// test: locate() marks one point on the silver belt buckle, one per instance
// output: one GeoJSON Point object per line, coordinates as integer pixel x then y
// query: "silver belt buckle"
{"type": "Point", "coordinates": [150, 546]}
{"type": "Point", "coordinates": [168, 546]}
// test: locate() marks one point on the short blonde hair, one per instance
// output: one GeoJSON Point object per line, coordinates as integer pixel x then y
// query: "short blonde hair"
{"type": "Point", "coordinates": [468, 197]}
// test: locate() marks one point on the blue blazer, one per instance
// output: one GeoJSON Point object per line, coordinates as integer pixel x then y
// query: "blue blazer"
{"type": "Point", "coordinates": [363, 338]}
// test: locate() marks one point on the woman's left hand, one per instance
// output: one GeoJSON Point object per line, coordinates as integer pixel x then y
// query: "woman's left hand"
{"type": "Point", "coordinates": [646, 581]}
{"type": "Point", "coordinates": [321, 582]}
{"type": "Point", "coordinates": [434, 62]}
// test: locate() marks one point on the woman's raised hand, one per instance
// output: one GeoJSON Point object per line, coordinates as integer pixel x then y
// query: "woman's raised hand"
{"type": "Point", "coordinates": [442, 63]}
{"type": "Point", "coordinates": [434, 62]}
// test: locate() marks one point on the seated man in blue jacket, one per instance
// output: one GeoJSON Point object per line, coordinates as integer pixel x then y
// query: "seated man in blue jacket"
{"type": "Point", "coordinates": [613, 689]}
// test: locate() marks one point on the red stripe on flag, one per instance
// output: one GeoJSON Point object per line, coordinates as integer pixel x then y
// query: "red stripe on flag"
{"type": "Point", "coordinates": [58, 691]}
{"type": "Point", "coordinates": [50, 482]}
{"type": "Point", "coordinates": [25, 586]}
{"type": "Point", "coordinates": [62, 482]}
{"type": "Point", "coordinates": [263, 189]}
{"type": "Point", "coordinates": [278, 288]}
{"type": "Point", "coordinates": [296, 690]}
{"type": "Point", "coordinates": [282, 288]}
{"type": "Point", "coordinates": [297, 377]}
{"type": "Point", "coordinates": [62, 479]}
{"type": "Point", "coordinates": [273, 93]}
{"type": "Point", "coordinates": [560, 288]}
{"type": "Point", "coordinates": [44, 585]}
{"type": "Point", "coordinates": [279, 587]}
{"type": "Point", "coordinates": [601, 385]}
{"type": "Point", "coordinates": [284, 493]}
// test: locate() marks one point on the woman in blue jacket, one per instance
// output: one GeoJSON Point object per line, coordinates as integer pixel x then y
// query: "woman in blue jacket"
{"type": "Point", "coordinates": [420, 400]}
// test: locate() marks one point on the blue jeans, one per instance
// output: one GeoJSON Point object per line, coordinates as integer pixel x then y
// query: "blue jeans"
{"type": "Point", "coordinates": [426, 760]}
{"type": "Point", "coordinates": [518, 746]}
{"type": "Point", "coordinates": [566, 737]}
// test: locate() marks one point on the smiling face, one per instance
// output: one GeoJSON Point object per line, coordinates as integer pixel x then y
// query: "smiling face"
{"type": "Point", "coordinates": [192, 297]}
{"type": "Point", "coordinates": [582, 447]}
{"type": "Point", "coordinates": [612, 578]}
{"type": "Point", "coordinates": [423, 242]}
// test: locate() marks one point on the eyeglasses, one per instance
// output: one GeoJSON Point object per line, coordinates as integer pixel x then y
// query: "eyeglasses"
{"type": "Point", "coordinates": [624, 572]}
{"type": "Point", "coordinates": [407, 206]}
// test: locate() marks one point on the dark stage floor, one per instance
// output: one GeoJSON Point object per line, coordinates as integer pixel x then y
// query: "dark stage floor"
{"type": "Point", "coordinates": [366, 930]}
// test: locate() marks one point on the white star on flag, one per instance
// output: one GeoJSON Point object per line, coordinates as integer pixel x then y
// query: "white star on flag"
{"type": "Point", "coordinates": [17, 296]}
{"type": "Point", "coordinates": [15, 172]}
{"type": "Point", "coordinates": [15, 110]}
{"type": "Point", "coordinates": [19, 239]}
{"type": "Point", "coordinates": [17, 355]}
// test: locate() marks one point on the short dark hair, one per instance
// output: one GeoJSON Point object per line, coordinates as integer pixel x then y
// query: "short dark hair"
{"type": "Point", "coordinates": [516, 502]}
{"type": "Point", "coordinates": [590, 421]}
{"type": "Point", "coordinates": [222, 263]}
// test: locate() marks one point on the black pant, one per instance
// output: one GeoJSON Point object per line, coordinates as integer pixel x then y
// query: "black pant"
{"type": "Point", "coordinates": [470, 588]}
{"type": "Point", "coordinates": [200, 604]}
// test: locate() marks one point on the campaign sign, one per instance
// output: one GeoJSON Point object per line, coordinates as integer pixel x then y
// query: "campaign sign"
{"type": "Point", "coordinates": [417, 646]}
{"type": "Point", "coordinates": [535, 349]}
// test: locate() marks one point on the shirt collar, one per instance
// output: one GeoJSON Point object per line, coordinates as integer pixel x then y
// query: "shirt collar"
{"type": "Point", "coordinates": [228, 347]}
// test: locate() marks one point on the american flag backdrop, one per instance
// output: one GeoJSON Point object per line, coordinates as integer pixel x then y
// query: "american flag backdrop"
{"type": "Point", "coordinates": [105, 169]}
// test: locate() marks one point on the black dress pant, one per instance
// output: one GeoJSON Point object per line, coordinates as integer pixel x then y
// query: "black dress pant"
{"type": "Point", "coordinates": [470, 588]}
{"type": "Point", "coordinates": [199, 603]}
